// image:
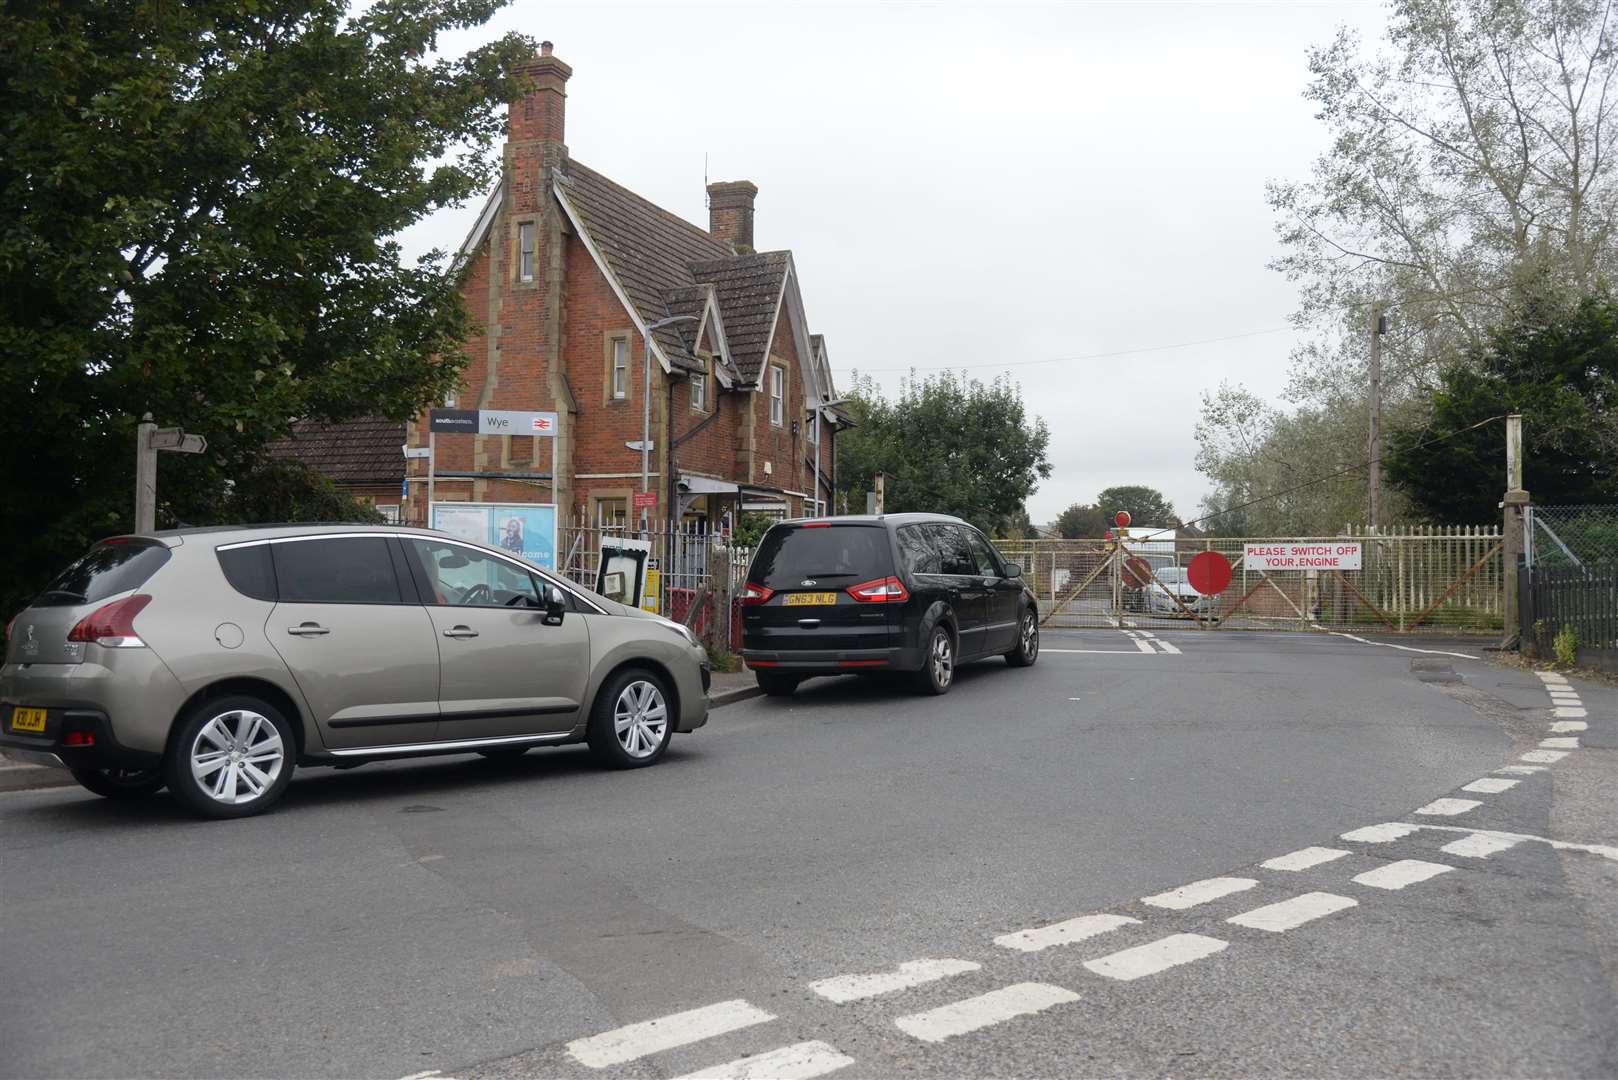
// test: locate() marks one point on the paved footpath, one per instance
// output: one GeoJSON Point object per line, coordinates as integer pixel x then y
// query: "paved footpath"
{"type": "Point", "coordinates": [1241, 855]}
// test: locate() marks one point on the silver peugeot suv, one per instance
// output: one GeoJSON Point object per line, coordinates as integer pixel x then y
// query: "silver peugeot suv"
{"type": "Point", "coordinates": [211, 661]}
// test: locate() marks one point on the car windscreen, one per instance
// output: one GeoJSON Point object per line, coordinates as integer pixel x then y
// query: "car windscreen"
{"type": "Point", "coordinates": [111, 567]}
{"type": "Point", "coordinates": [840, 554]}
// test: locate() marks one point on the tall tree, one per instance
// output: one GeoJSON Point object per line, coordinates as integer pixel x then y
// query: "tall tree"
{"type": "Point", "coordinates": [947, 444]}
{"type": "Point", "coordinates": [1558, 367]}
{"type": "Point", "coordinates": [1471, 168]}
{"type": "Point", "coordinates": [199, 200]}
{"type": "Point", "coordinates": [1146, 505]}
{"type": "Point", "coordinates": [1082, 521]}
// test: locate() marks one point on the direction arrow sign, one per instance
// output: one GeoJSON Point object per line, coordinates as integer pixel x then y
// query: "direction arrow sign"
{"type": "Point", "coordinates": [177, 440]}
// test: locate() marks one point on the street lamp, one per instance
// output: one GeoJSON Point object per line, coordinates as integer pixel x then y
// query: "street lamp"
{"type": "Point", "coordinates": [646, 411]}
{"type": "Point", "coordinates": [818, 407]}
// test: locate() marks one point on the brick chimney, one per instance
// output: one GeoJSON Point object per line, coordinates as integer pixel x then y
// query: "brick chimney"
{"type": "Point", "coordinates": [538, 115]}
{"type": "Point", "coordinates": [730, 213]}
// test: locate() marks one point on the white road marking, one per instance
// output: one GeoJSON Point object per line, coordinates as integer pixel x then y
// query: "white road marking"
{"type": "Point", "coordinates": [1109, 652]}
{"type": "Point", "coordinates": [665, 1033]}
{"type": "Point", "coordinates": [1544, 757]}
{"type": "Point", "coordinates": [800, 1061]}
{"type": "Point", "coordinates": [1551, 676]}
{"type": "Point", "coordinates": [1397, 875]}
{"type": "Point", "coordinates": [1571, 712]}
{"type": "Point", "coordinates": [1143, 960]}
{"type": "Point", "coordinates": [1521, 770]}
{"type": "Point", "coordinates": [1449, 807]}
{"type": "Point", "coordinates": [1289, 914]}
{"type": "Point", "coordinates": [1380, 834]}
{"type": "Point", "coordinates": [1479, 845]}
{"type": "Point", "coordinates": [1570, 725]}
{"type": "Point", "coordinates": [1304, 859]}
{"type": "Point", "coordinates": [1565, 742]}
{"type": "Point", "coordinates": [1199, 892]}
{"type": "Point", "coordinates": [1391, 645]}
{"type": "Point", "coordinates": [997, 1006]}
{"type": "Point", "coordinates": [1165, 646]}
{"type": "Point", "coordinates": [1560, 845]}
{"type": "Point", "coordinates": [1063, 933]}
{"type": "Point", "coordinates": [1491, 785]}
{"type": "Point", "coordinates": [1558, 695]}
{"type": "Point", "coordinates": [430, 1074]}
{"type": "Point", "coordinates": [910, 973]}
{"type": "Point", "coordinates": [1143, 645]}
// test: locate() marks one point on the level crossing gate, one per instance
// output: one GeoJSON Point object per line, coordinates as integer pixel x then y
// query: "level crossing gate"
{"type": "Point", "coordinates": [1447, 580]}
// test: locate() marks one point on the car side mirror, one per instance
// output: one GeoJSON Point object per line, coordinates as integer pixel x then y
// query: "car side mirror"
{"type": "Point", "coordinates": [555, 605]}
{"type": "Point", "coordinates": [1013, 570]}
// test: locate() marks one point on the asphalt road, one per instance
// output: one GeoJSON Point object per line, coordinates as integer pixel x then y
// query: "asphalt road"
{"type": "Point", "coordinates": [486, 919]}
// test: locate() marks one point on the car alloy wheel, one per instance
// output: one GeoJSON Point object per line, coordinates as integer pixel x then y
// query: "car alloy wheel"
{"type": "Point", "coordinates": [942, 658]}
{"type": "Point", "coordinates": [640, 718]}
{"type": "Point", "coordinates": [237, 756]}
{"type": "Point", "coordinates": [1030, 637]}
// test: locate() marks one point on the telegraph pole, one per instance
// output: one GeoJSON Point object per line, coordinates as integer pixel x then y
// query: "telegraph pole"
{"type": "Point", "coordinates": [1379, 325]}
{"type": "Point", "coordinates": [1512, 538]}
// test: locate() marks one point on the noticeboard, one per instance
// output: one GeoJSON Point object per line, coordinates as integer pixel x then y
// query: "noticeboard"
{"type": "Point", "coordinates": [527, 530]}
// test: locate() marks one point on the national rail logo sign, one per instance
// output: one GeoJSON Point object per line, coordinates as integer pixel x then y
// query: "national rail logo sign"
{"type": "Point", "coordinates": [1324, 555]}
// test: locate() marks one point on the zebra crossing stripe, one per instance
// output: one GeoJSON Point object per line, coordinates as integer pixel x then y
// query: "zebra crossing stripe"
{"type": "Point", "coordinates": [995, 1007]}
{"type": "Point", "coordinates": [1063, 933]}
{"type": "Point", "coordinates": [800, 1061]}
{"type": "Point", "coordinates": [1160, 955]}
{"type": "Point", "coordinates": [845, 988]}
{"type": "Point", "coordinates": [665, 1033]}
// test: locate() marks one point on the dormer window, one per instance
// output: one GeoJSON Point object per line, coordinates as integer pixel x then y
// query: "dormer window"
{"type": "Point", "coordinates": [699, 391]}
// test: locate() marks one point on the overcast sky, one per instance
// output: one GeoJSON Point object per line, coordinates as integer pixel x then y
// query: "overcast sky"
{"type": "Point", "coordinates": [1009, 188]}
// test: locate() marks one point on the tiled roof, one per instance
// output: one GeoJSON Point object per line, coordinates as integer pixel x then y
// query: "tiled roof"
{"type": "Point", "coordinates": [749, 292]}
{"type": "Point", "coordinates": [363, 451]}
{"type": "Point", "coordinates": [648, 249]}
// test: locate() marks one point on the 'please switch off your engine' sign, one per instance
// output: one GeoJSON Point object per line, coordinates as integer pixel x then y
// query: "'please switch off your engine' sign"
{"type": "Point", "coordinates": [1317, 556]}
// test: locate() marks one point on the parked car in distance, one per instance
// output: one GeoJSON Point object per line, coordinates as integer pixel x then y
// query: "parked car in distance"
{"type": "Point", "coordinates": [1159, 596]}
{"type": "Point", "coordinates": [212, 661]}
{"type": "Point", "coordinates": [916, 593]}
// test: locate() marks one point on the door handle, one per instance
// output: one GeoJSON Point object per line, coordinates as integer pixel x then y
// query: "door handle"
{"type": "Point", "coordinates": [308, 629]}
{"type": "Point", "coordinates": [460, 631]}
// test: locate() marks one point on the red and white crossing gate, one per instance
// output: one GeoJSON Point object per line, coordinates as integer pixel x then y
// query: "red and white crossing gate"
{"type": "Point", "coordinates": [1431, 580]}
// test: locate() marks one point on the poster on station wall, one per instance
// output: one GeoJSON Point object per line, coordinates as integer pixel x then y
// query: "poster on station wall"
{"type": "Point", "coordinates": [1282, 555]}
{"type": "Point", "coordinates": [527, 530]}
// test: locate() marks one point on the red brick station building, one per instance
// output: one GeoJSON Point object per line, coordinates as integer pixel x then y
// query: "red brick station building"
{"type": "Point", "coordinates": [565, 270]}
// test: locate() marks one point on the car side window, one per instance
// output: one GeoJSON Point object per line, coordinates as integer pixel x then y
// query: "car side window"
{"type": "Point", "coordinates": [919, 550]}
{"type": "Point", "coordinates": [956, 552]}
{"type": "Point", "coordinates": [465, 577]}
{"type": "Point", "coordinates": [339, 570]}
{"type": "Point", "coordinates": [983, 555]}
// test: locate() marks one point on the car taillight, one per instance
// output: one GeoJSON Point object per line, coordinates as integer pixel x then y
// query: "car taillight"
{"type": "Point", "coordinates": [888, 590]}
{"type": "Point", "coordinates": [755, 594]}
{"type": "Point", "coordinates": [112, 626]}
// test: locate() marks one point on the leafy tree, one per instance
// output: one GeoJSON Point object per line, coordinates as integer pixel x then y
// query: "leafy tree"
{"type": "Point", "coordinates": [1559, 369]}
{"type": "Point", "coordinates": [290, 491]}
{"type": "Point", "coordinates": [1146, 506]}
{"type": "Point", "coordinates": [1470, 170]}
{"type": "Point", "coordinates": [1017, 526]}
{"type": "Point", "coordinates": [1082, 521]}
{"type": "Point", "coordinates": [199, 200]}
{"type": "Point", "coordinates": [947, 444]}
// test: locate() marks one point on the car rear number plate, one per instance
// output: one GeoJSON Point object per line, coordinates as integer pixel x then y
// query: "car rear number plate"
{"type": "Point", "coordinates": [811, 599]}
{"type": "Point", "coordinates": [27, 719]}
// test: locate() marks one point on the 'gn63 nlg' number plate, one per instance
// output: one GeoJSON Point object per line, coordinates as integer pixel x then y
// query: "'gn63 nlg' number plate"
{"type": "Point", "coordinates": [811, 599]}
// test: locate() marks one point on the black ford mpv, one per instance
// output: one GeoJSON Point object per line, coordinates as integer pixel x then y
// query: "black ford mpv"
{"type": "Point", "coordinates": [917, 593]}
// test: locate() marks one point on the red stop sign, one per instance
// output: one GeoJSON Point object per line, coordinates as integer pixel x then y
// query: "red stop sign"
{"type": "Point", "coordinates": [1209, 573]}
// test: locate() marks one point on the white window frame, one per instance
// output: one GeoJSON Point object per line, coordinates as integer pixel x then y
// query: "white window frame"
{"type": "Point", "coordinates": [620, 369]}
{"type": "Point", "coordinates": [778, 403]}
{"type": "Point", "coordinates": [525, 250]}
{"type": "Point", "coordinates": [814, 427]}
{"type": "Point", "coordinates": [699, 391]}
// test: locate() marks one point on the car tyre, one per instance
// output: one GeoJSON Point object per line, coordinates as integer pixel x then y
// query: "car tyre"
{"type": "Point", "coordinates": [937, 672]}
{"type": "Point", "coordinates": [1027, 650]}
{"type": "Point", "coordinates": [231, 757]}
{"type": "Point", "coordinates": [775, 684]}
{"type": "Point", "coordinates": [115, 783]}
{"type": "Point", "coordinates": [632, 720]}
